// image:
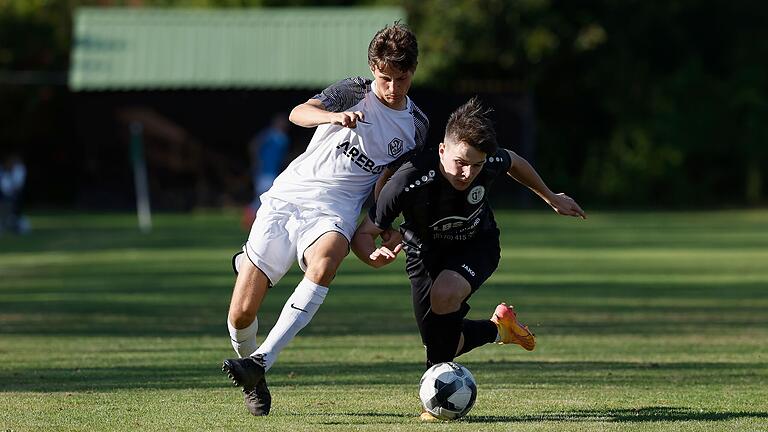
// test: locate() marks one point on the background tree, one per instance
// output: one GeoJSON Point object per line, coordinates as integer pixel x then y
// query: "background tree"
{"type": "Point", "coordinates": [645, 103]}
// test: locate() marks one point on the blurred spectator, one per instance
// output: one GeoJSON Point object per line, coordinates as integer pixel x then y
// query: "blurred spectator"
{"type": "Point", "coordinates": [267, 151]}
{"type": "Point", "coordinates": [13, 175]}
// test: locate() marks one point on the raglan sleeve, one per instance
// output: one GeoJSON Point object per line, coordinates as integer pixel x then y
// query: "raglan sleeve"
{"type": "Point", "coordinates": [506, 161]}
{"type": "Point", "coordinates": [500, 162]}
{"type": "Point", "coordinates": [341, 96]}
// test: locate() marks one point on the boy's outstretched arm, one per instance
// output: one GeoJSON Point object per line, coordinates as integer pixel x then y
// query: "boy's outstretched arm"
{"type": "Point", "coordinates": [313, 113]}
{"type": "Point", "coordinates": [364, 245]}
{"type": "Point", "coordinates": [525, 174]}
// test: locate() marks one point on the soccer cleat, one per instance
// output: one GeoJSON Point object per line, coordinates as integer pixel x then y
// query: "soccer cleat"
{"type": "Point", "coordinates": [510, 329]}
{"type": "Point", "coordinates": [248, 373]}
{"type": "Point", "coordinates": [258, 400]}
{"type": "Point", "coordinates": [427, 416]}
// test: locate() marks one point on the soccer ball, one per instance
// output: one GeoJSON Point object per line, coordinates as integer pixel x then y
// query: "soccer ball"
{"type": "Point", "coordinates": [448, 390]}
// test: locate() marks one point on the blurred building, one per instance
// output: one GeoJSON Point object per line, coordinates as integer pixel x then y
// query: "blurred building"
{"type": "Point", "coordinates": [201, 81]}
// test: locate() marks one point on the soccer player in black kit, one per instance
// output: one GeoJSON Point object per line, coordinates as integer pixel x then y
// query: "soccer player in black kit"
{"type": "Point", "coordinates": [449, 233]}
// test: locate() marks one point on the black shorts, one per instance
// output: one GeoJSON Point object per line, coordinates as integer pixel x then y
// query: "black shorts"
{"type": "Point", "coordinates": [475, 261]}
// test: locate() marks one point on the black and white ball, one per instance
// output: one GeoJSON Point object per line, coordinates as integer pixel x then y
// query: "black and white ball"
{"type": "Point", "coordinates": [448, 390]}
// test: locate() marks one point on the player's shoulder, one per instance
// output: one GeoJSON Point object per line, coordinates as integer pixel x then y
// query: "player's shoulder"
{"type": "Point", "coordinates": [418, 115]}
{"type": "Point", "coordinates": [344, 93]}
{"type": "Point", "coordinates": [498, 162]}
{"type": "Point", "coordinates": [416, 111]}
{"type": "Point", "coordinates": [362, 82]}
{"type": "Point", "coordinates": [355, 83]}
{"type": "Point", "coordinates": [418, 172]}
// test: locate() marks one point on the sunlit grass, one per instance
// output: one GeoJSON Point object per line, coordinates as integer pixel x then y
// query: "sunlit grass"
{"type": "Point", "coordinates": [647, 321]}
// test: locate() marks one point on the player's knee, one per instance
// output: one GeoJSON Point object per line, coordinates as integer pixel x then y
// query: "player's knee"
{"type": "Point", "coordinates": [445, 298]}
{"type": "Point", "coordinates": [240, 316]}
{"type": "Point", "coordinates": [322, 271]}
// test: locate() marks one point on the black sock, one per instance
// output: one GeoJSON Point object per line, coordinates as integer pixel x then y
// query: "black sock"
{"type": "Point", "coordinates": [441, 336]}
{"type": "Point", "coordinates": [477, 333]}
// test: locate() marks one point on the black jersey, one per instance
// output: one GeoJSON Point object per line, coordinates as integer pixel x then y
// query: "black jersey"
{"type": "Point", "coordinates": [434, 212]}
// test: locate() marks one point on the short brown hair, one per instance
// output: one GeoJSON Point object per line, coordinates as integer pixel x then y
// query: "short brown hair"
{"type": "Point", "coordinates": [470, 124]}
{"type": "Point", "coordinates": [396, 46]}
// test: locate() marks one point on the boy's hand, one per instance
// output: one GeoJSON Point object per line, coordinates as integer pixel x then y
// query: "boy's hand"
{"type": "Point", "coordinates": [386, 254]}
{"type": "Point", "coordinates": [346, 119]}
{"type": "Point", "coordinates": [391, 238]}
{"type": "Point", "coordinates": [566, 206]}
{"type": "Point", "coordinates": [391, 245]}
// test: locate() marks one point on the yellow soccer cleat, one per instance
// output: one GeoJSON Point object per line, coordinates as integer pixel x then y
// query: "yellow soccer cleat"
{"type": "Point", "coordinates": [510, 329]}
{"type": "Point", "coordinates": [426, 416]}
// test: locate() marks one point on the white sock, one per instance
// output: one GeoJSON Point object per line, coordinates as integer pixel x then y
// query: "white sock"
{"type": "Point", "coordinates": [244, 340]}
{"type": "Point", "coordinates": [297, 313]}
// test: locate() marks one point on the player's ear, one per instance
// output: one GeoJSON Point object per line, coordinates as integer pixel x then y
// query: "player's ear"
{"type": "Point", "coordinates": [441, 148]}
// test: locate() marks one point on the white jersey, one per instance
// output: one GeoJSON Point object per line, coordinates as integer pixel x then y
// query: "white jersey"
{"type": "Point", "coordinates": [337, 171]}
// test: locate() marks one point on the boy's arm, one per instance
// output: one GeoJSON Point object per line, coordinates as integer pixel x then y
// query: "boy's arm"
{"type": "Point", "coordinates": [312, 113]}
{"type": "Point", "coordinates": [525, 174]}
{"type": "Point", "coordinates": [364, 245]}
{"type": "Point", "coordinates": [385, 175]}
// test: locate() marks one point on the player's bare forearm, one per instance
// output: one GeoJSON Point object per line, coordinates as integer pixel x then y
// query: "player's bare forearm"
{"type": "Point", "coordinates": [312, 113]}
{"type": "Point", "coordinates": [385, 175]}
{"type": "Point", "coordinates": [525, 174]}
{"type": "Point", "coordinates": [364, 245]}
{"type": "Point", "coordinates": [364, 241]}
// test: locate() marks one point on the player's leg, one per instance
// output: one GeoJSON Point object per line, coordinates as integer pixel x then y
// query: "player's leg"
{"type": "Point", "coordinates": [443, 322]}
{"type": "Point", "coordinates": [247, 371]}
{"type": "Point", "coordinates": [475, 268]}
{"type": "Point", "coordinates": [421, 283]}
{"type": "Point", "coordinates": [477, 333]}
{"type": "Point", "coordinates": [268, 255]}
{"type": "Point", "coordinates": [320, 260]}
{"type": "Point", "coordinates": [503, 326]}
{"type": "Point", "coordinates": [250, 289]}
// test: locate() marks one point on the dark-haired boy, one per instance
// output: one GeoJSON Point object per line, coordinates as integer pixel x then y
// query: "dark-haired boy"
{"type": "Point", "coordinates": [364, 128]}
{"type": "Point", "coordinates": [449, 233]}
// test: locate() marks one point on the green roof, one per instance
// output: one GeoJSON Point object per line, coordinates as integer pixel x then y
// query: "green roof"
{"type": "Point", "coordinates": [146, 48]}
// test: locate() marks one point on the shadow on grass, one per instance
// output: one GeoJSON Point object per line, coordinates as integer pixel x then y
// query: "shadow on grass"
{"type": "Point", "coordinates": [627, 415]}
{"type": "Point", "coordinates": [197, 375]}
{"type": "Point", "coordinates": [157, 304]}
{"type": "Point", "coordinates": [363, 418]}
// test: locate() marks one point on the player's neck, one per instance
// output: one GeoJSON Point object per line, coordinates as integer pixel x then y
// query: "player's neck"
{"type": "Point", "coordinates": [397, 106]}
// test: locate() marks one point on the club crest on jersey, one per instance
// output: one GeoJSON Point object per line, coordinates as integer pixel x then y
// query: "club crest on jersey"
{"type": "Point", "coordinates": [395, 147]}
{"type": "Point", "coordinates": [476, 194]}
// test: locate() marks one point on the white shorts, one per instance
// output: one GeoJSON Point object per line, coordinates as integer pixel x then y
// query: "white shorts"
{"type": "Point", "coordinates": [283, 231]}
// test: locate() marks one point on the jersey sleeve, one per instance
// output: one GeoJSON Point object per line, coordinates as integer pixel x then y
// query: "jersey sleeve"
{"type": "Point", "coordinates": [499, 163]}
{"type": "Point", "coordinates": [421, 126]}
{"type": "Point", "coordinates": [344, 94]}
{"type": "Point", "coordinates": [391, 198]}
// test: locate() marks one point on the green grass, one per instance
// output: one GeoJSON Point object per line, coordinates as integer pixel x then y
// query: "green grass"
{"type": "Point", "coordinates": [645, 322]}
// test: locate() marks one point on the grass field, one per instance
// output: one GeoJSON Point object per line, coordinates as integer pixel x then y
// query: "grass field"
{"type": "Point", "coordinates": [645, 322]}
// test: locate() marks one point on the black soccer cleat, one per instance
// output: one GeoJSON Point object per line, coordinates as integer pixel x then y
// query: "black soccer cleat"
{"type": "Point", "coordinates": [258, 400]}
{"type": "Point", "coordinates": [248, 373]}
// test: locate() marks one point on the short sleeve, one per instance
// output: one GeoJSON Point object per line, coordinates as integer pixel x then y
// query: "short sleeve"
{"type": "Point", "coordinates": [391, 198]}
{"type": "Point", "coordinates": [499, 163]}
{"type": "Point", "coordinates": [344, 94]}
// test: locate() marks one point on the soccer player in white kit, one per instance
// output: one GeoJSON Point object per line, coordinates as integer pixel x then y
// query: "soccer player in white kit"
{"type": "Point", "coordinates": [364, 128]}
